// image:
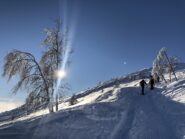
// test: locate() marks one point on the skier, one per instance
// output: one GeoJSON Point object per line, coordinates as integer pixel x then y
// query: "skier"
{"type": "Point", "coordinates": [142, 84]}
{"type": "Point", "coordinates": [158, 79]}
{"type": "Point", "coordinates": [151, 82]}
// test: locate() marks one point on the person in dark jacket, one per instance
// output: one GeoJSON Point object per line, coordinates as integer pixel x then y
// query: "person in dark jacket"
{"type": "Point", "coordinates": [158, 79]}
{"type": "Point", "coordinates": [151, 82]}
{"type": "Point", "coordinates": [142, 84]}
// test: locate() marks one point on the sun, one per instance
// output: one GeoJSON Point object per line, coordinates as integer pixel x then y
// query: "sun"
{"type": "Point", "coordinates": [60, 74]}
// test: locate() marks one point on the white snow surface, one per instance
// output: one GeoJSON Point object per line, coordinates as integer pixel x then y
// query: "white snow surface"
{"type": "Point", "coordinates": [113, 112]}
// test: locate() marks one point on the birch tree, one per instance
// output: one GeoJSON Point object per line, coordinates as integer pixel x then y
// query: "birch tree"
{"type": "Point", "coordinates": [52, 58]}
{"type": "Point", "coordinates": [29, 71]}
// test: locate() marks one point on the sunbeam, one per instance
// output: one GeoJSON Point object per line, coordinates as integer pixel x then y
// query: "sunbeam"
{"type": "Point", "coordinates": [69, 26]}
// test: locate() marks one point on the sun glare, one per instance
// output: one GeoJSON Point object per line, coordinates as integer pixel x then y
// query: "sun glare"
{"type": "Point", "coordinates": [60, 74]}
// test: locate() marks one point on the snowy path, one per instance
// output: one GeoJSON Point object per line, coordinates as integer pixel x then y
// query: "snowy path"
{"type": "Point", "coordinates": [148, 121]}
{"type": "Point", "coordinates": [152, 116]}
{"type": "Point", "coordinates": [129, 116]}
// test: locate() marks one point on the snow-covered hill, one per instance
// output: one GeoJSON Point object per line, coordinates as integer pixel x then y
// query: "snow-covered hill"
{"type": "Point", "coordinates": [112, 110]}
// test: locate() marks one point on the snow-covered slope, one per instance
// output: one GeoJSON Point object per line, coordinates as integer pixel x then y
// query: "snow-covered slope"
{"type": "Point", "coordinates": [112, 110]}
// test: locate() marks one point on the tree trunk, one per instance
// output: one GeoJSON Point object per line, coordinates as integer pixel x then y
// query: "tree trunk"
{"type": "Point", "coordinates": [56, 102]}
{"type": "Point", "coordinates": [170, 76]}
{"type": "Point", "coordinates": [163, 77]}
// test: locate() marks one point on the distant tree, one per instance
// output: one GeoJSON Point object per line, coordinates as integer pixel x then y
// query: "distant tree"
{"type": "Point", "coordinates": [102, 90]}
{"type": "Point", "coordinates": [100, 83]}
{"type": "Point", "coordinates": [162, 64]}
{"type": "Point", "coordinates": [158, 70]}
{"type": "Point", "coordinates": [63, 90]}
{"type": "Point", "coordinates": [117, 83]}
{"type": "Point", "coordinates": [73, 100]}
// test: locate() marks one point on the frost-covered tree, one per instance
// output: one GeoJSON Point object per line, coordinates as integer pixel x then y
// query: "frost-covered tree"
{"type": "Point", "coordinates": [30, 73]}
{"type": "Point", "coordinates": [163, 64]}
{"type": "Point", "coordinates": [55, 43]}
{"type": "Point", "coordinates": [158, 70]}
{"type": "Point", "coordinates": [38, 78]}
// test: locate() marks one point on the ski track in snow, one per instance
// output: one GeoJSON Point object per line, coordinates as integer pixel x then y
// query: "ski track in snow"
{"type": "Point", "coordinates": [139, 119]}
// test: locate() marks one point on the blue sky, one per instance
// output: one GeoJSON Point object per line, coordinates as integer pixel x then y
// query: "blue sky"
{"type": "Point", "coordinates": [111, 32]}
{"type": "Point", "coordinates": [107, 33]}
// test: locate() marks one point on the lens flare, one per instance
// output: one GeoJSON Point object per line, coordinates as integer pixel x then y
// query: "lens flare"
{"type": "Point", "coordinates": [70, 17]}
{"type": "Point", "coordinates": [60, 74]}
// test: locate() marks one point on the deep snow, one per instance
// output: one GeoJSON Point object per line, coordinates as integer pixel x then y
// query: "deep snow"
{"type": "Point", "coordinates": [113, 110]}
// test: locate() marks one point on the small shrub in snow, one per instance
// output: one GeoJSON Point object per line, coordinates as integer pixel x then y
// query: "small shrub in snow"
{"type": "Point", "coordinates": [73, 100]}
